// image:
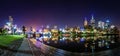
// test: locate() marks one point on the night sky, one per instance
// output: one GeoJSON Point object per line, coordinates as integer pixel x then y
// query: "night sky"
{"type": "Point", "coordinates": [58, 12]}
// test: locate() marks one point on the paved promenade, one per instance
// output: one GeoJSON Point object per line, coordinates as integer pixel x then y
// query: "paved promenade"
{"type": "Point", "coordinates": [24, 49]}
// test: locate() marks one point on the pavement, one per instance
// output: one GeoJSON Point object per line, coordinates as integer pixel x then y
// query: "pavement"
{"type": "Point", "coordinates": [24, 49]}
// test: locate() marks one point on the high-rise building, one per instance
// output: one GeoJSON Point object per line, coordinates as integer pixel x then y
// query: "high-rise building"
{"type": "Point", "coordinates": [85, 22]}
{"type": "Point", "coordinates": [10, 21]}
{"type": "Point", "coordinates": [99, 24]}
{"type": "Point", "coordinates": [103, 25]}
{"type": "Point", "coordinates": [92, 21]}
{"type": "Point", "coordinates": [9, 25]}
{"type": "Point", "coordinates": [107, 24]}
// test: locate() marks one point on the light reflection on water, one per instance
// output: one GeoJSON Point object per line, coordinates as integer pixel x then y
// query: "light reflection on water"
{"type": "Point", "coordinates": [60, 52]}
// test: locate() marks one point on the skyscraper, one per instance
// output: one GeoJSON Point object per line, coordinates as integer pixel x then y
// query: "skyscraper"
{"type": "Point", "coordinates": [85, 22]}
{"type": "Point", "coordinates": [107, 24]}
{"type": "Point", "coordinates": [9, 25]}
{"type": "Point", "coordinates": [10, 21]}
{"type": "Point", "coordinates": [101, 24]}
{"type": "Point", "coordinates": [92, 21]}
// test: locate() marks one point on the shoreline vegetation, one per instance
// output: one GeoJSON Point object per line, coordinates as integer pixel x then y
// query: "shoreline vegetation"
{"type": "Point", "coordinates": [6, 40]}
{"type": "Point", "coordinates": [9, 44]}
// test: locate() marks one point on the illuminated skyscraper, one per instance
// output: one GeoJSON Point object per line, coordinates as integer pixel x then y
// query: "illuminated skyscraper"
{"type": "Point", "coordinates": [9, 25]}
{"type": "Point", "coordinates": [92, 21]}
{"type": "Point", "coordinates": [47, 26]}
{"type": "Point", "coordinates": [107, 24]}
{"type": "Point", "coordinates": [85, 22]}
{"type": "Point", "coordinates": [101, 24]}
{"type": "Point", "coordinates": [10, 21]}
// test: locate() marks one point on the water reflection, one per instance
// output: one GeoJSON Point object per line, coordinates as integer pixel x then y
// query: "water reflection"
{"type": "Point", "coordinates": [76, 43]}
{"type": "Point", "coordinates": [87, 45]}
{"type": "Point", "coordinates": [51, 51]}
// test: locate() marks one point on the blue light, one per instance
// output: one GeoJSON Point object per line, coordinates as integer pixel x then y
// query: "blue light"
{"type": "Point", "coordinates": [82, 39]}
{"type": "Point", "coordinates": [8, 23]}
{"type": "Point", "coordinates": [108, 46]}
{"type": "Point", "coordinates": [107, 21]}
{"type": "Point", "coordinates": [82, 29]}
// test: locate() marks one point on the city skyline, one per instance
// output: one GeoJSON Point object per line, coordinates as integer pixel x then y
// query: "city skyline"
{"type": "Point", "coordinates": [91, 21]}
{"type": "Point", "coordinates": [59, 27]}
{"type": "Point", "coordinates": [87, 23]}
{"type": "Point", "coordinates": [59, 13]}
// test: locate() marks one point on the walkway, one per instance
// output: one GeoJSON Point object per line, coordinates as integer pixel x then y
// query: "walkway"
{"type": "Point", "coordinates": [24, 49]}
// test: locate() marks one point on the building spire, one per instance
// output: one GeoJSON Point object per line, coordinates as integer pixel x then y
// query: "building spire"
{"type": "Point", "coordinates": [92, 16]}
{"type": "Point", "coordinates": [92, 21]}
{"type": "Point", "coordinates": [85, 22]}
{"type": "Point", "coordinates": [11, 20]}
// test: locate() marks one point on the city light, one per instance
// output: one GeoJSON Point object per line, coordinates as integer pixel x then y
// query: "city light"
{"type": "Point", "coordinates": [89, 34]}
{"type": "Point", "coordinates": [60, 28]}
{"type": "Point", "coordinates": [8, 23]}
{"type": "Point", "coordinates": [107, 21]}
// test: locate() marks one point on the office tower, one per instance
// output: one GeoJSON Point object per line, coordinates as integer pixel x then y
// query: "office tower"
{"type": "Point", "coordinates": [107, 24]}
{"type": "Point", "coordinates": [10, 21]}
{"type": "Point", "coordinates": [99, 24]}
{"type": "Point", "coordinates": [85, 22]}
{"type": "Point", "coordinates": [92, 21]}
{"type": "Point", "coordinates": [103, 25]}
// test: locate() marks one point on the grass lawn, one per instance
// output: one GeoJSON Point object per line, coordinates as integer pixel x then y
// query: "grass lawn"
{"type": "Point", "coordinates": [6, 40]}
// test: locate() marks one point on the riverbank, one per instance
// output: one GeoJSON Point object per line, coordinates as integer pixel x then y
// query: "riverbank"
{"type": "Point", "coordinates": [80, 46]}
{"type": "Point", "coordinates": [9, 44]}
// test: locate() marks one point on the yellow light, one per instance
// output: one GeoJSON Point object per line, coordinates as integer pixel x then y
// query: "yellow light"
{"type": "Point", "coordinates": [54, 30]}
{"type": "Point", "coordinates": [46, 30]}
{"type": "Point", "coordinates": [34, 30]}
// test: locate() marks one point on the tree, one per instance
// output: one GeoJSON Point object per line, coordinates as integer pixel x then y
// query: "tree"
{"type": "Point", "coordinates": [24, 29]}
{"type": "Point", "coordinates": [3, 31]}
{"type": "Point", "coordinates": [114, 30]}
{"type": "Point", "coordinates": [0, 30]}
{"type": "Point", "coordinates": [88, 28]}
